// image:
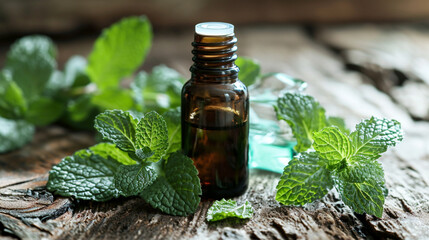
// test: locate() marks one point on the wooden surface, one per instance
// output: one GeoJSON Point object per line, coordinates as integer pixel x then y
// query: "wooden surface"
{"type": "Point", "coordinates": [353, 71]}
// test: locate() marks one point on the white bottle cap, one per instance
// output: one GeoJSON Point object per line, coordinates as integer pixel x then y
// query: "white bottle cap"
{"type": "Point", "coordinates": [214, 29]}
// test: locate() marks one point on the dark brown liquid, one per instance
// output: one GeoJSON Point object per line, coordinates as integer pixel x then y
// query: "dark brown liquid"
{"type": "Point", "coordinates": [220, 154]}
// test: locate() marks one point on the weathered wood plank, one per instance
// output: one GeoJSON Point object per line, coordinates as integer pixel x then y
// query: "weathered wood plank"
{"type": "Point", "coordinates": [394, 58]}
{"type": "Point", "coordinates": [343, 93]}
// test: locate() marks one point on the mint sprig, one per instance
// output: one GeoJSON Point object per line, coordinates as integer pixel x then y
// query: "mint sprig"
{"type": "Point", "coordinates": [223, 209]}
{"type": "Point", "coordinates": [334, 157]}
{"type": "Point", "coordinates": [133, 163]}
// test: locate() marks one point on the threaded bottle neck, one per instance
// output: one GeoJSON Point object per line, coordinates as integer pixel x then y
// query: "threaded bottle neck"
{"type": "Point", "coordinates": [214, 58]}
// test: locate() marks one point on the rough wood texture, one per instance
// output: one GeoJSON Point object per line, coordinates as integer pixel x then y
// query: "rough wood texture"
{"type": "Point", "coordinates": [24, 16]}
{"type": "Point", "coordinates": [393, 58]}
{"type": "Point", "coordinates": [289, 50]}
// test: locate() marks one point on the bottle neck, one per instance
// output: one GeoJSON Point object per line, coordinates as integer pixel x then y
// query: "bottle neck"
{"type": "Point", "coordinates": [214, 58]}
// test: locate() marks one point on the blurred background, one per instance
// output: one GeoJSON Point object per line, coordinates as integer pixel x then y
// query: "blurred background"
{"type": "Point", "coordinates": [81, 20]}
{"type": "Point", "coordinates": [381, 42]}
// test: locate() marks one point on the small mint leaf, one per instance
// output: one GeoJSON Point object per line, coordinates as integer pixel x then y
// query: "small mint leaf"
{"type": "Point", "coordinates": [228, 209]}
{"type": "Point", "coordinates": [304, 180]}
{"type": "Point", "coordinates": [331, 144]}
{"type": "Point", "coordinates": [373, 136]}
{"type": "Point", "coordinates": [131, 180]}
{"type": "Point", "coordinates": [361, 186]}
{"type": "Point", "coordinates": [119, 51]}
{"type": "Point", "coordinates": [118, 127]}
{"type": "Point", "coordinates": [177, 191]}
{"type": "Point", "coordinates": [31, 61]}
{"type": "Point", "coordinates": [152, 133]}
{"type": "Point", "coordinates": [86, 176]}
{"type": "Point", "coordinates": [303, 114]}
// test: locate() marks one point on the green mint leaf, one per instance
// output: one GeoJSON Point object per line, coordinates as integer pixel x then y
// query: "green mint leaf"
{"type": "Point", "coordinates": [119, 51]}
{"type": "Point", "coordinates": [331, 144]}
{"type": "Point", "coordinates": [373, 136]}
{"type": "Point", "coordinates": [303, 114]}
{"type": "Point", "coordinates": [304, 180]}
{"type": "Point", "coordinates": [152, 133]}
{"type": "Point", "coordinates": [177, 190]}
{"type": "Point", "coordinates": [173, 119]}
{"type": "Point", "coordinates": [13, 104]}
{"type": "Point", "coordinates": [31, 61]}
{"type": "Point", "coordinates": [107, 150]}
{"type": "Point", "coordinates": [86, 176]}
{"type": "Point", "coordinates": [118, 127]}
{"type": "Point", "coordinates": [44, 111]}
{"type": "Point", "coordinates": [228, 208]}
{"type": "Point", "coordinates": [249, 70]}
{"type": "Point", "coordinates": [338, 122]}
{"type": "Point", "coordinates": [361, 186]}
{"type": "Point", "coordinates": [122, 99]}
{"type": "Point", "coordinates": [131, 180]}
{"type": "Point", "coordinates": [14, 134]}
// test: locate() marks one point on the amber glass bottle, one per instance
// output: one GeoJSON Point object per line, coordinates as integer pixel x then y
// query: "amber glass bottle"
{"type": "Point", "coordinates": [215, 106]}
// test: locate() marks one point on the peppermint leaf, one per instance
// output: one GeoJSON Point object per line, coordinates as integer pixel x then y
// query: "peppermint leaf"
{"type": "Point", "coordinates": [118, 127]}
{"type": "Point", "coordinates": [304, 180]}
{"type": "Point", "coordinates": [152, 133]}
{"type": "Point", "coordinates": [119, 51]}
{"type": "Point", "coordinates": [373, 136]}
{"type": "Point", "coordinates": [86, 176]}
{"type": "Point", "coordinates": [361, 186]}
{"type": "Point", "coordinates": [131, 180]}
{"type": "Point", "coordinates": [228, 209]}
{"type": "Point", "coordinates": [331, 144]}
{"type": "Point", "coordinates": [177, 190]}
{"type": "Point", "coordinates": [31, 61]}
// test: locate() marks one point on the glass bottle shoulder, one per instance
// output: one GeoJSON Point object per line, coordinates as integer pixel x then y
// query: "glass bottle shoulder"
{"type": "Point", "coordinates": [235, 89]}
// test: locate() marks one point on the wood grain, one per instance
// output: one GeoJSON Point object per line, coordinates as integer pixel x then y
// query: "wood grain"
{"type": "Point", "coordinates": [286, 49]}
